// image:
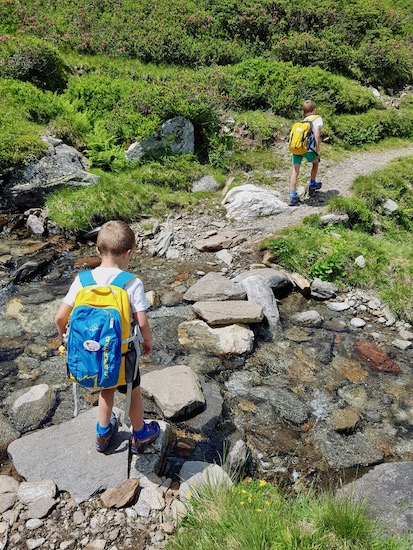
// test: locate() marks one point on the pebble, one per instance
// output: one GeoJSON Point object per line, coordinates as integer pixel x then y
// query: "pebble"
{"type": "Point", "coordinates": [32, 524]}
{"type": "Point", "coordinates": [357, 322]}
{"type": "Point", "coordinates": [402, 344]}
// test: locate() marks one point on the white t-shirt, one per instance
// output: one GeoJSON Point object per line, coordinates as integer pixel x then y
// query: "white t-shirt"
{"type": "Point", "coordinates": [317, 122]}
{"type": "Point", "coordinates": [104, 276]}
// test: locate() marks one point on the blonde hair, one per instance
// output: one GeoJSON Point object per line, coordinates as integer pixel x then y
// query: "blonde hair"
{"type": "Point", "coordinates": [115, 238]}
{"type": "Point", "coordinates": [309, 106]}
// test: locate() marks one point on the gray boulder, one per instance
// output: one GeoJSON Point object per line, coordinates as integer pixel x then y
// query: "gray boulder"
{"type": "Point", "coordinates": [229, 340]}
{"type": "Point", "coordinates": [249, 201]}
{"type": "Point", "coordinates": [175, 136]}
{"type": "Point", "coordinates": [176, 390]}
{"type": "Point", "coordinates": [323, 290]}
{"type": "Point", "coordinates": [32, 407]}
{"type": "Point", "coordinates": [387, 492]}
{"type": "Point", "coordinates": [61, 166]}
{"type": "Point", "coordinates": [276, 279]}
{"type": "Point", "coordinates": [197, 475]}
{"type": "Point", "coordinates": [259, 292]}
{"type": "Point", "coordinates": [229, 312]}
{"type": "Point", "coordinates": [207, 183]}
{"type": "Point", "coordinates": [310, 318]}
{"type": "Point", "coordinates": [214, 287]}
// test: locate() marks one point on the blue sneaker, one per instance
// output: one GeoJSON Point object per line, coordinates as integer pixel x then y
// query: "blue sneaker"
{"type": "Point", "coordinates": [313, 187]}
{"type": "Point", "coordinates": [103, 441]}
{"type": "Point", "coordinates": [295, 201]}
{"type": "Point", "coordinates": [148, 434]}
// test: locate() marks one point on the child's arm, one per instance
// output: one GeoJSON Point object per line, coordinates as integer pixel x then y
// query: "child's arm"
{"type": "Point", "coordinates": [61, 318]}
{"type": "Point", "coordinates": [143, 323]}
{"type": "Point", "coordinates": [317, 137]}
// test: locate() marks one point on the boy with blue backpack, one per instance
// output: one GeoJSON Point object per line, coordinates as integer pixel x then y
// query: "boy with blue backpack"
{"type": "Point", "coordinates": [304, 142]}
{"type": "Point", "coordinates": [95, 320]}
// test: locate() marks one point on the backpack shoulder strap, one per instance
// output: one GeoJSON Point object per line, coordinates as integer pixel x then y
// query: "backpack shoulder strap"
{"type": "Point", "coordinates": [312, 118]}
{"type": "Point", "coordinates": [86, 278]}
{"type": "Point", "coordinates": [123, 279]}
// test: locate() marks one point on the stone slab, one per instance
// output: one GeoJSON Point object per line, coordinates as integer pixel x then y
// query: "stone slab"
{"type": "Point", "coordinates": [229, 312]}
{"type": "Point", "coordinates": [66, 454]}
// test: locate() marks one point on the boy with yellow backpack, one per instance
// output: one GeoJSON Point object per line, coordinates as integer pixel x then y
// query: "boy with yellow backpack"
{"type": "Point", "coordinates": [304, 142]}
{"type": "Point", "coordinates": [102, 320]}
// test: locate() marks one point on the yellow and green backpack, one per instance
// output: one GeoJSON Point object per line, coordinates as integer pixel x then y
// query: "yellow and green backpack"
{"type": "Point", "coordinates": [302, 139]}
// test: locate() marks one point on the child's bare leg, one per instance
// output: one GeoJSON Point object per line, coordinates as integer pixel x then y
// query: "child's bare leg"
{"type": "Point", "coordinates": [294, 177]}
{"type": "Point", "coordinates": [105, 406]}
{"type": "Point", "coordinates": [136, 409]}
{"type": "Point", "coordinates": [314, 169]}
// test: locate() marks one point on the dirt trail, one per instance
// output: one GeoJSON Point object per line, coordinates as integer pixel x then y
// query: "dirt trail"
{"type": "Point", "coordinates": [337, 179]}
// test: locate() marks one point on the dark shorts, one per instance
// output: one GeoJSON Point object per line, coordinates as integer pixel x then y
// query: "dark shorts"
{"type": "Point", "coordinates": [130, 363]}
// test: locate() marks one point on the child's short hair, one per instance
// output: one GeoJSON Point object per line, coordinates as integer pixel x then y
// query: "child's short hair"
{"type": "Point", "coordinates": [115, 238]}
{"type": "Point", "coordinates": [309, 106]}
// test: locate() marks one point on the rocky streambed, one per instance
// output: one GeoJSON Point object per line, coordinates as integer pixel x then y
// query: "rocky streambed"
{"type": "Point", "coordinates": [312, 384]}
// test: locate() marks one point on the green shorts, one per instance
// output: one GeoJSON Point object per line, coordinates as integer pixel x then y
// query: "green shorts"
{"type": "Point", "coordinates": [298, 159]}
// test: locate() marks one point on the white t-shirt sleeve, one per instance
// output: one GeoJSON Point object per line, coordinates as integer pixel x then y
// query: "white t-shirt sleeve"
{"type": "Point", "coordinates": [70, 297]}
{"type": "Point", "coordinates": [136, 295]}
{"type": "Point", "coordinates": [318, 122]}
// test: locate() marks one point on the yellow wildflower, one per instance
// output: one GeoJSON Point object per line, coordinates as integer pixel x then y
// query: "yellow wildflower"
{"type": "Point", "coordinates": [243, 491]}
{"type": "Point", "coordinates": [242, 503]}
{"type": "Point", "coordinates": [259, 510]}
{"type": "Point", "coordinates": [189, 495]}
{"type": "Point", "coordinates": [262, 482]}
{"type": "Point", "coordinates": [249, 499]}
{"type": "Point", "coordinates": [267, 503]}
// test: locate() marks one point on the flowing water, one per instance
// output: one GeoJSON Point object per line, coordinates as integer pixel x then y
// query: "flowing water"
{"type": "Point", "coordinates": [306, 405]}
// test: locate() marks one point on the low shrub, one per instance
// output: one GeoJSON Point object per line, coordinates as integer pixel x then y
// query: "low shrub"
{"type": "Point", "coordinates": [33, 60]}
{"type": "Point", "coordinates": [360, 216]}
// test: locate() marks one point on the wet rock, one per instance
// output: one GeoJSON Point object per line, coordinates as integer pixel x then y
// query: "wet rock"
{"type": "Point", "coordinates": [88, 263]}
{"type": "Point", "coordinates": [285, 403]}
{"type": "Point", "coordinates": [229, 312]}
{"type": "Point", "coordinates": [206, 183]}
{"type": "Point", "coordinates": [233, 339]}
{"type": "Point", "coordinates": [374, 357]}
{"type": "Point", "coordinates": [207, 420]}
{"type": "Point", "coordinates": [120, 496]}
{"type": "Point", "coordinates": [34, 318]}
{"type": "Point", "coordinates": [249, 201]}
{"type": "Point", "coordinates": [277, 280]}
{"type": "Point", "coordinates": [310, 318]}
{"type": "Point", "coordinates": [259, 292]}
{"type": "Point", "coordinates": [171, 298]}
{"type": "Point", "coordinates": [343, 420]}
{"type": "Point", "coordinates": [35, 224]}
{"type": "Point", "coordinates": [7, 434]}
{"type": "Point", "coordinates": [32, 407]}
{"type": "Point", "coordinates": [297, 334]}
{"type": "Point", "coordinates": [223, 239]}
{"type": "Point", "coordinates": [29, 270]}
{"type": "Point", "coordinates": [151, 461]}
{"type": "Point", "coordinates": [356, 397]}
{"type": "Point", "coordinates": [344, 451]}
{"type": "Point", "coordinates": [176, 390]}
{"type": "Point", "coordinates": [214, 287]}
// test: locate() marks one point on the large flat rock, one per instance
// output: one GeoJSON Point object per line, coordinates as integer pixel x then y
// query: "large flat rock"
{"type": "Point", "coordinates": [388, 494]}
{"type": "Point", "coordinates": [65, 453]}
{"type": "Point", "coordinates": [214, 286]}
{"type": "Point", "coordinates": [229, 312]}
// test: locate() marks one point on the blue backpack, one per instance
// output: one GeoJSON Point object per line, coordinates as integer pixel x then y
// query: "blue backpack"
{"type": "Point", "coordinates": [102, 349]}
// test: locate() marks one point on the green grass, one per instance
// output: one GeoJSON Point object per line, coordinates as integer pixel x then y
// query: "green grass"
{"type": "Point", "coordinates": [384, 239]}
{"type": "Point", "coordinates": [256, 515]}
{"type": "Point", "coordinates": [152, 189]}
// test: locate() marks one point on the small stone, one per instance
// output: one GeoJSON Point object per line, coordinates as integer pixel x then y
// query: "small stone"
{"type": "Point", "coordinates": [360, 261]}
{"type": "Point", "coordinates": [32, 524]}
{"type": "Point", "coordinates": [402, 344]}
{"type": "Point", "coordinates": [66, 544]}
{"type": "Point", "coordinates": [356, 322]}
{"type": "Point", "coordinates": [338, 306]}
{"type": "Point", "coordinates": [406, 334]}
{"type": "Point", "coordinates": [117, 497]}
{"type": "Point", "coordinates": [34, 543]}
{"type": "Point", "coordinates": [167, 528]}
{"type": "Point", "coordinates": [78, 517]}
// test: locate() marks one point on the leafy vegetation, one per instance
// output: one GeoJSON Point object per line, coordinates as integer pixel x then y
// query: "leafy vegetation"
{"type": "Point", "coordinates": [255, 514]}
{"type": "Point", "coordinates": [382, 237]}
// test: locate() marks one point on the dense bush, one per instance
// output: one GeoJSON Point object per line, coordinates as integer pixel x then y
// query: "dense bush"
{"type": "Point", "coordinates": [372, 126]}
{"type": "Point", "coordinates": [32, 60]}
{"type": "Point", "coordinates": [345, 37]}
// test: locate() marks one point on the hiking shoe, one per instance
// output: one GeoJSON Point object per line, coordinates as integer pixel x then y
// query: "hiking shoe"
{"type": "Point", "coordinates": [294, 201]}
{"type": "Point", "coordinates": [139, 444]}
{"type": "Point", "coordinates": [103, 441]}
{"type": "Point", "coordinates": [313, 187]}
